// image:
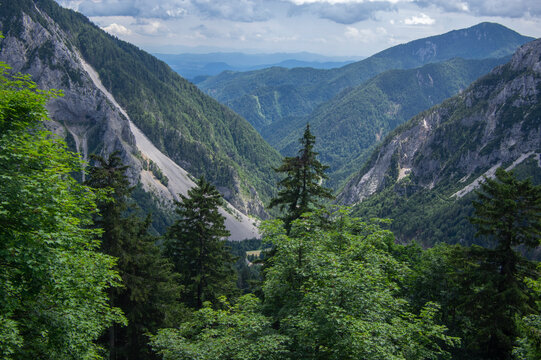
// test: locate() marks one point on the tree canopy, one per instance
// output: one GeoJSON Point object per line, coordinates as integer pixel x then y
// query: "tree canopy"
{"type": "Point", "coordinates": [53, 281]}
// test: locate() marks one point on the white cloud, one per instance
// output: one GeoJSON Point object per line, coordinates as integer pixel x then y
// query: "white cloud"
{"type": "Point", "coordinates": [332, 27]}
{"type": "Point", "coordinates": [334, 2]}
{"type": "Point", "coordinates": [364, 35]}
{"type": "Point", "coordinates": [341, 12]}
{"type": "Point", "coordinates": [152, 27]}
{"type": "Point", "coordinates": [117, 29]}
{"type": "Point", "coordinates": [235, 10]}
{"type": "Point", "coordinates": [422, 19]}
{"type": "Point", "coordinates": [502, 8]}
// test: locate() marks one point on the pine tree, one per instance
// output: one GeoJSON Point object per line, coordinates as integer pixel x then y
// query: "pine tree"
{"type": "Point", "coordinates": [301, 189]}
{"type": "Point", "coordinates": [509, 212]}
{"type": "Point", "coordinates": [195, 243]}
{"type": "Point", "coordinates": [149, 297]}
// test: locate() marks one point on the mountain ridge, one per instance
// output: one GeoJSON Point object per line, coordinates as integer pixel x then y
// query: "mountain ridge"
{"type": "Point", "coordinates": [417, 173]}
{"type": "Point", "coordinates": [367, 112]}
{"type": "Point", "coordinates": [274, 95]}
{"type": "Point", "coordinates": [197, 67]}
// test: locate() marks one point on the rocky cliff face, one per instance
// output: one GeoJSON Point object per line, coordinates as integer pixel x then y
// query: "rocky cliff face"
{"type": "Point", "coordinates": [495, 122]}
{"type": "Point", "coordinates": [89, 117]}
{"type": "Point", "coordinates": [84, 115]}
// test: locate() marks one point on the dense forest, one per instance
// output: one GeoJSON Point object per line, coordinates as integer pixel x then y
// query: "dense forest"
{"type": "Point", "coordinates": [82, 277]}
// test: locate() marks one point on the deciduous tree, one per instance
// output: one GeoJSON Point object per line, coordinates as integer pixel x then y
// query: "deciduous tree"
{"type": "Point", "coordinates": [53, 281]}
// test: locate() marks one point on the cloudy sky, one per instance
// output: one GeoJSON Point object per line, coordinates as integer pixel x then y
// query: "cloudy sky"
{"type": "Point", "coordinates": [329, 27]}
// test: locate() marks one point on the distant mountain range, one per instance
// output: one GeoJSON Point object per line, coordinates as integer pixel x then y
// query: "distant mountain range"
{"type": "Point", "coordinates": [423, 173]}
{"type": "Point", "coordinates": [419, 172]}
{"type": "Point", "coordinates": [270, 97]}
{"type": "Point", "coordinates": [363, 100]}
{"type": "Point", "coordinates": [197, 67]}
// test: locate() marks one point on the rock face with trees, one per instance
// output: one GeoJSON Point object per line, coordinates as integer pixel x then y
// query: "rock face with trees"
{"type": "Point", "coordinates": [422, 175]}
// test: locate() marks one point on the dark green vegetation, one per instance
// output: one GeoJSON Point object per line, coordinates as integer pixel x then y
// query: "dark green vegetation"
{"type": "Point", "coordinates": [336, 286]}
{"type": "Point", "coordinates": [150, 293]}
{"type": "Point", "coordinates": [271, 98]}
{"type": "Point", "coordinates": [195, 131]}
{"type": "Point", "coordinates": [194, 243]}
{"type": "Point", "coordinates": [485, 292]}
{"type": "Point", "coordinates": [301, 191]}
{"type": "Point", "coordinates": [332, 291]}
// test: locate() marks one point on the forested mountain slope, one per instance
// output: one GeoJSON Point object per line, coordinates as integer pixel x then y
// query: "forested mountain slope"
{"type": "Point", "coordinates": [351, 123]}
{"type": "Point", "coordinates": [268, 98]}
{"type": "Point", "coordinates": [199, 134]}
{"type": "Point", "coordinates": [422, 175]}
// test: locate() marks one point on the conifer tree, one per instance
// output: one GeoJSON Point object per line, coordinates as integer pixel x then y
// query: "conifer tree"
{"type": "Point", "coordinates": [301, 189]}
{"type": "Point", "coordinates": [195, 243]}
{"type": "Point", "coordinates": [509, 212]}
{"type": "Point", "coordinates": [149, 297]}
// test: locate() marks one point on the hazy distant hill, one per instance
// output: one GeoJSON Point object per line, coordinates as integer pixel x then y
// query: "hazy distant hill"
{"type": "Point", "coordinates": [278, 95]}
{"type": "Point", "coordinates": [197, 67]}
{"type": "Point", "coordinates": [422, 175]}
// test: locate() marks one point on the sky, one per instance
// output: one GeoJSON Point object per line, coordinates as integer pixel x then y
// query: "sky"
{"type": "Point", "coordinates": [354, 28]}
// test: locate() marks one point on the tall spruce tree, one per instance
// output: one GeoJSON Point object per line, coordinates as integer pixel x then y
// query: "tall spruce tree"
{"type": "Point", "coordinates": [149, 297]}
{"type": "Point", "coordinates": [509, 212]}
{"type": "Point", "coordinates": [301, 190]}
{"type": "Point", "coordinates": [195, 243]}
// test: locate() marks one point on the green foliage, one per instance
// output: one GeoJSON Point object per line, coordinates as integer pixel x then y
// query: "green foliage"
{"type": "Point", "coordinates": [509, 211]}
{"type": "Point", "coordinates": [159, 209]}
{"type": "Point", "coordinates": [301, 190]}
{"type": "Point", "coordinates": [53, 281]}
{"type": "Point", "coordinates": [333, 287]}
{"type": "Point", "coordinates": [529, 344]}
{"type": "Point", "coordinates": [149, 297]}
{"type": "Point", "coordinates": [237, 332]}
{"type": "Point", "coordinates": [195, 244]}
{"type": "Point", "coordinates": [248, 268]}
{"type": "Point", "coordinates": [482, 291]}
{"type": "Point", "coordinates": [478, 304]}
